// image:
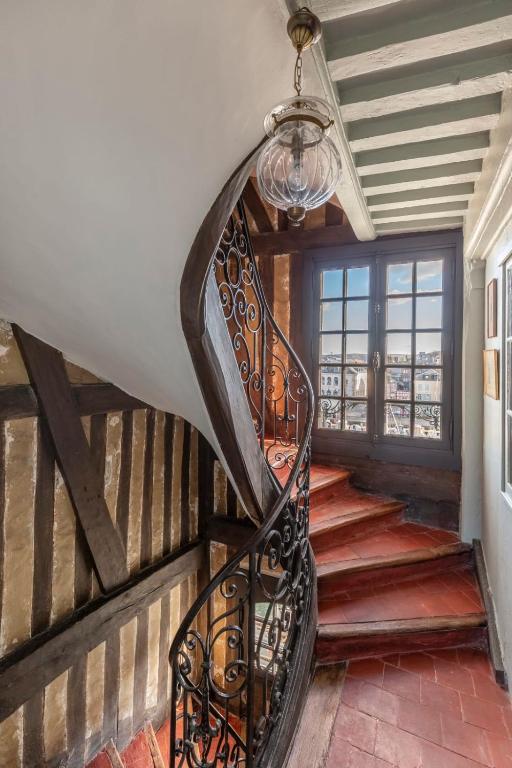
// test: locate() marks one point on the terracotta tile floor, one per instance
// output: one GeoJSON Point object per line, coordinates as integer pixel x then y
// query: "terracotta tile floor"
{"type": "Point", "coordinates": [422, 710]}
{"type": "Point", "coordinates": [452, 594]}
{"type": "Point", "coordinates": [399, 538]}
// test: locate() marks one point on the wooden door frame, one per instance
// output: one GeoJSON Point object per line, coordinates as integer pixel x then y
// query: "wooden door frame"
{"type": "Point", "coordinates": [340, 448]}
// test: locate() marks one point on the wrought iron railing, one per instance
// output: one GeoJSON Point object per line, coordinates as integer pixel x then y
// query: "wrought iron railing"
{"type": "Point", "coordinates": [242, 653]}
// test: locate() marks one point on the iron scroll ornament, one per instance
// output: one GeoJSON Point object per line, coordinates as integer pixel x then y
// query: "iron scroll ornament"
{"type": "Point", "coordinates": [276, 387]}
{"type": "Point", "coordinates": [233, 656]}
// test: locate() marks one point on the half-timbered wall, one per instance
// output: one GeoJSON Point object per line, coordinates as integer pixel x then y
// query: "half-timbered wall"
{"type": "Point", "coordinates": [149, 465]}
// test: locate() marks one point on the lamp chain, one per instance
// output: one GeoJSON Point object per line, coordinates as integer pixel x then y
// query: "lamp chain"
{"type": "Point", "coordinates": [297, 84]}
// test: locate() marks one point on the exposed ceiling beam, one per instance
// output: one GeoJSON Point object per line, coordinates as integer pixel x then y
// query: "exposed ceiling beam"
{"type": "Point", "coordinates": [420, 225]}
{"type": "Point", "coordinates": [455, 90]}
{"type": "Point", "coordinates": [423, 154]}
{"type": "Point", "coordinates": [416, 178]}
{"type": "Point", "coordinates": [421, 196]}
{"type": "Point", "coordinates": [256, 206]}
{"type": "Point", "coordinates": [293, 240]}
{"type": "Point", "coordinates": [460, 27]}
{"type": "Point", "coordinates": [446, 210]}
{"type": "Point", "coordinates": [437, 72]}
{"type": "Point", "coordinates": [454, 208]}
{"type": "Point", "coordinates": [468, 116]}
{"type": "Point", "coordinates": [327, 10]}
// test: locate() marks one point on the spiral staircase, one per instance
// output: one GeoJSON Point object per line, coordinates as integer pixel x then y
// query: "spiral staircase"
{"type": "Point", "coordinates": [242, 659]}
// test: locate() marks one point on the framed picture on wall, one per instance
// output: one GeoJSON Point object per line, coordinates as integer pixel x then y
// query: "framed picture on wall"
{"type": "Point", "coordinates": [492, 309]}
{"type": "Point", "coordinates": [491, 373]}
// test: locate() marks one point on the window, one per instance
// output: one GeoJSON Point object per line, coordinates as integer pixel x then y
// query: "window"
{"type": "Point", "coordinates": [507, 356]}
{"type": "Point", "coordinates": [384, 353]}
{"type": "Point", "coordinates": [344, 318]}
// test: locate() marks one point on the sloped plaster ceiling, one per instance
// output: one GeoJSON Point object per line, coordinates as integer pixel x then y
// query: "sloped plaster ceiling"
{"type": "Point", "coordinates": [120, 122]}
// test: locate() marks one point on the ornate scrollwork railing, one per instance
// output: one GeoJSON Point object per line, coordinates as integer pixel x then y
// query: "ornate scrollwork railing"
{"type": "Point", "coordinates": [275, 385]}
{"type": "Point", "coordinates": [242, 654]}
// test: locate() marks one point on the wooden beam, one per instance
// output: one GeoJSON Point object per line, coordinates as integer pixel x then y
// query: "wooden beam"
{"type": "Point", "coordinates": [416, 178]}
{"type": "Point", "coordinates": [333, 214]}
{"type": "Point", "coordinates": [20, 401]}
{"type": "Point", "coordinates": [292, 241]}
{"type": "Point", "coordinates": [227, 530]}
{"type": "Point", "coordinates": [420, 225]}
{"type": "Point", "coordinates": [439, 85]}
{"type": "Point", "coordinates": [421, 196]}
{"type": "Point", "coordinates": [327, 10]}
{"type": "Point", "coordinates": [423, 154]}
{"type": "Point", "coordinates": [48, 376]}
{"type": "Point", "coordinates": [469, 116]}
{"type": "Point", "coordinates": [455, 208]}
{"type": "Point", "coordinates": [39, 661]}
{"type": "Point", "coordinates": [391, 39]}
{"type": "Point", "coordinates": [256, 206]}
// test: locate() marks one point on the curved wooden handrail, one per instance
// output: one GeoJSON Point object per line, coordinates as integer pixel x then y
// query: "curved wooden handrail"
{"type": "Point", "coordinates": [275, 568]}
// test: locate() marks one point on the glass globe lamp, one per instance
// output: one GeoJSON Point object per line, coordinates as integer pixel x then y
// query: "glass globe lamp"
{"type": "Point", "coordinates": [299, 167]}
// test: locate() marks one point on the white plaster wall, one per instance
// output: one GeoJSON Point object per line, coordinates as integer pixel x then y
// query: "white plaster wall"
{"type": "Point", "coordinates": [472, 405]}
{"type": "Point", "coordinates": [497, 511]}
{"type": "Point", "coordinates": [120, 121]}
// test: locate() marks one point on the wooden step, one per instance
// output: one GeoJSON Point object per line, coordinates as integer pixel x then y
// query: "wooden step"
{"type": "Point", "coordinates": [354, 524]}
{"type": "Point", "coordinates": [337, 577]}
{"type": "Point", "coordinates": [313, 735]}
{"type": "Point", "coordinates": [341, 642]}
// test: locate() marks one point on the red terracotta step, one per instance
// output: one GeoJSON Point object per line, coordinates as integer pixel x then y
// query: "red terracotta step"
{"type": "Point", "coordinates": [341, 642]}
{"type": "Point", "coordinates": [327, 483]}
{"type": "Point", "coordinates": [361, 517]}
{"type": "Point", "coordinates": [337, 577]}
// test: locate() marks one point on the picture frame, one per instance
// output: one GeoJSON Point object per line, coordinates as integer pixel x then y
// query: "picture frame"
{"type": "Point", "coordinates": [491, 373]}
{"type": "Point", "coordinates": [492, 309]}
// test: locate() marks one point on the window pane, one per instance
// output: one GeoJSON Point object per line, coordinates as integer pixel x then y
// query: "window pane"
{"type": "Point", "coordinates": [330, 348]}
{"type": "Point", "coordinates": [429, 312]}
{"type": "Point", "coordinates": [398, 348]}
{"type": "Point", "coordinates": [399, 279]}
{"type": "Point", "coordinates": [428, 385]}
{"type": "Point", "coordinates": [427, 421]}
{"type": "Point", "coordinates": [356, 382]}
{"type": "Point", "coordinates": [355, 416]}
{"type": "Point", "coordinates": [358, 281]}
{"type": "Point", "coordinates": [329, 414]}
{"type": "Point", "coordinates": [429, 276]}
{"type": "Point", "coordinates": [356, 348]}
{"type": "Point", "coordinates": [398, 384]}
{"type": "Point", "coordinates": [428, 348]}
{"type": "Point", "coordinates": [357, 316]}
{"type": "Point", "coordinates": [331, 316]}
{"type": "Point", "coordinates": [330, 381]}
{"type": "Point", "coordinates": [399, 313]}
{"type": "Point", "coordinates": [397, 420]}
{"type": "Point", "coordinates": [332, 283]}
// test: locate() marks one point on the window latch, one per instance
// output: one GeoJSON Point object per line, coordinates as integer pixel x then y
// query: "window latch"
{"type": "Point", "coordinates": [376, 361]}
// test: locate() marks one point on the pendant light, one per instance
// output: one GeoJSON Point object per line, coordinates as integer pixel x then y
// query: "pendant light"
{"type": "Point", "coordinates": [299, 167]}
